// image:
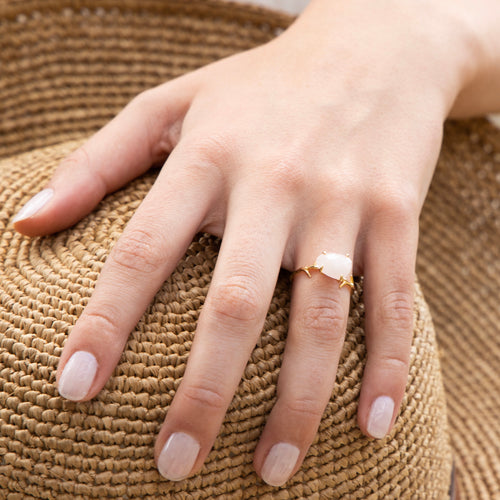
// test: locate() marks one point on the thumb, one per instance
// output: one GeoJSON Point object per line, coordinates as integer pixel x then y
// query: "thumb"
{"type": "Point", "coordinates": [142, 134]}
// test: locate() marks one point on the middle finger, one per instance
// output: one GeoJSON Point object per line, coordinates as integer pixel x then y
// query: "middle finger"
{"type": "Point", "coordinates": [229, 325]}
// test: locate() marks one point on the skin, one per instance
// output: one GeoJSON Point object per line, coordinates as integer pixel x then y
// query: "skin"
{"type": "Point", "coordinates": [325, 138]}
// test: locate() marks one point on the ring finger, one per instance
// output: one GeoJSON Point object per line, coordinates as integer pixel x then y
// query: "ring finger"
{"type": "Point", "coordinates": [318, 319]}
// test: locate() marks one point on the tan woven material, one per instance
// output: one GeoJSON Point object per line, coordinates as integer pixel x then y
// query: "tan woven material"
{"type": "Point", "coordinates": [459, 267]}
{"type": "Point", "coordinates": [52, 447]}
{"type": "Point", "coordinates": [67, 67]}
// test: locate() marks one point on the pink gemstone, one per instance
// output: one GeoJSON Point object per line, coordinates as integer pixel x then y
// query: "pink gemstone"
{"type": "Point", "coordinates": [335, 265]}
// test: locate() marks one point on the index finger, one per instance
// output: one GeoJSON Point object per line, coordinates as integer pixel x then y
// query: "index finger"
{"type": "Point", "coordinates": [153, 242]}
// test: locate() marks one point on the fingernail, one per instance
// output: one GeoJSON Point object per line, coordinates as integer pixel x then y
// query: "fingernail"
{"type": "Point", "coordinates": [178, 456]}
{"type": "Point", "coordinates": [77, 376]}
{"type": "Point", "coordinates": [279, 463]}
{"type": "Point", "coordinates": [34, 205]}
{"type": "Point", "coordinates": [380, 417]}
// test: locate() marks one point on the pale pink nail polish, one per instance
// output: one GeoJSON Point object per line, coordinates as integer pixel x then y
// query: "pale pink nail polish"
{"type": "Point", "coordinates": [77, 376]}
{"type": "Point", "coordinates": [178, 456]}
{"type": "Point", "coordinates": [279, 463]}
{"type": "Point", "coordinates": [34, 205]}
{"type": "Point", "coordinates": [380, 418]}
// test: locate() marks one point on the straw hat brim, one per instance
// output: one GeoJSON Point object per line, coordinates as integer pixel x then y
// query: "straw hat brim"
{"type": "Point", "coordinates": [459, 269]}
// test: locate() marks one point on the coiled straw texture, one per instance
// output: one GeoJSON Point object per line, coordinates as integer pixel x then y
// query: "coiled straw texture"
{"type": "Point", "coordinates": [66, 68]}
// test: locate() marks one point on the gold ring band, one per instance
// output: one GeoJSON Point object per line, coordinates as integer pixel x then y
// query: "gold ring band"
{"type": "Point", "coordinates": [333, 265]}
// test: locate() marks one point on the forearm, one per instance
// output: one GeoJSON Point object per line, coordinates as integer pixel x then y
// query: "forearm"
{"type": "Point", "coordinates": [453, 45]}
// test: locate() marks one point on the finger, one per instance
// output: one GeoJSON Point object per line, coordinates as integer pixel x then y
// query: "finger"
{"type": "Point", "coordinates": [318, 318]}
{"type": "Point", "coordinates": [153, 242]}
{"type": "Point", "coordinates": [142, 134]}
{"type": "Point", "coordinates": [228, 328]}
{"type": "Point", "coordinates": [388, 290]}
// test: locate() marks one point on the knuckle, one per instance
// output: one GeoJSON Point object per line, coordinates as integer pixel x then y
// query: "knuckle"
{"type": "Point", "coordinates": [80, 160]}
{"type": "Point", "coordinates": [206, 158]}
{"type": "Point", "coordinates": [335, 191]}
{"type": "Point", "coordinates": [400, 206]}
{"type": "Point", "coordinates": [345, 187]}
{"type": "Point", "coordinates": [145, 99]}
{"type": "Point", "coordinates": [214, 149]}
{"type": "Point", "coordinates": [397, 310]}
{"type": "Point", "coordinates": [305, 408]}
{"type": "Point", "coordinates": [148, 108]}
{"type": "Point", "coordinates": [204, 396]}
{"type": "Point", "coordinates": [395, 362]}
{"type": "Point", "coordinates": [326, 321]}
{"type": "Point", "coordinates": [105, 321]}
{"type": "Point", "coordinates": [138, 251]}
{"type": "Point", "coordinates": [286, 173]}
{"type": "Point", "coordinates": [76, 160]}
{"type": "Point", "coordinates": [236, 300]}
{"type": "Point", "coordinates": [200, 170]}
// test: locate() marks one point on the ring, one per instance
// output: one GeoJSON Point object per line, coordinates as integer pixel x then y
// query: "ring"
{"type": "Point", "coordinates": [333, 265]}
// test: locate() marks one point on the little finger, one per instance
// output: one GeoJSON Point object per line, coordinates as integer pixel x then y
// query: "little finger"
{"type": "Point", "coordinates": [389, 273]}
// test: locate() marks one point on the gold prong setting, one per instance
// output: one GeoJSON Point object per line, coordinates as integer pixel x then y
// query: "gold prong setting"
{"type": "Point", "coordinates": [333, 265]}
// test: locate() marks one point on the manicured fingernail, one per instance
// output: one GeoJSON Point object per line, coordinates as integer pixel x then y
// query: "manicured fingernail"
{"type": "Point", "coordinates": [380, 417]}
{"type": "Point", "coordinates": [178, 456]}
{"type": "Point", "coordinates": [77, 376]}
{"type": "Point", "coordinates": [279, 463]}
{"type": "Point", "coordinates": [34, 205]}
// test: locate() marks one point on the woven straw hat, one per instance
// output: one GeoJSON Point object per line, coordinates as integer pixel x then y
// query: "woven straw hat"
{"type": "Point", "coordinates": [67, 68]}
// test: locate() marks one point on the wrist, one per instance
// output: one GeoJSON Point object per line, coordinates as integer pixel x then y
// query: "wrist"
{"type": "Point", "coordinates": [457, 48]}
{"type": "Point", "coordinates": [479, 93]}
{"type": "Point", "coordinates": [433, 44]}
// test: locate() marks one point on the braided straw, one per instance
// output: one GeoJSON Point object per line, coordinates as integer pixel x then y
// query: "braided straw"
{"type": "Point", "coordinates": [67, 67]}
{"type": "Point", "coordinates": [53, 448]}
{"type": "Point", "coordinates": [459, 267]}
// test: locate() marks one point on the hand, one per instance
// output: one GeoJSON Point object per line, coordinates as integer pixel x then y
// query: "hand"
{"type": "Point", "coordinates": [324, 139]}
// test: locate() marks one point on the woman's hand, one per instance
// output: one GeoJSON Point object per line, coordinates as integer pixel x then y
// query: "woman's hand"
{"type": "Point", "coordinates": [324, 139]}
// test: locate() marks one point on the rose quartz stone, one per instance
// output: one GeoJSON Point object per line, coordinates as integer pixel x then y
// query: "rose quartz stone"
{"type": "Point", "coordinates": [335, 265]}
